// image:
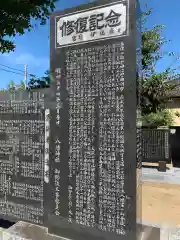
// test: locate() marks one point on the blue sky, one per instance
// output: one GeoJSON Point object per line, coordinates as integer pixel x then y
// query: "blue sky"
{"type": "Point", "coordinates": [33, 47]}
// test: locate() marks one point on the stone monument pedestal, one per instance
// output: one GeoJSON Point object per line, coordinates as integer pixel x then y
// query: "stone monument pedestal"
{"type": "Point", "coordinates": [27, 231]}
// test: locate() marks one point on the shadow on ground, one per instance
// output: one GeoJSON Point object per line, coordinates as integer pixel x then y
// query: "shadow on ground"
{"type": "Point", "coordinates": [153, 167]}
{"type": "Point", "coordinates": [176, 163]}
{"type": "Point", "coordinates": [5, 223]}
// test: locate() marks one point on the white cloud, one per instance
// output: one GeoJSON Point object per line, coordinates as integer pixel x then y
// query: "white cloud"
{"type": "Point", "coordinates": [31, 60]}
{"type": "Point", "coordinates": [27, 58]}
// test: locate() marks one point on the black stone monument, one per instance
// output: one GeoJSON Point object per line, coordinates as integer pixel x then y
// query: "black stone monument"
{"type": "Point", "coordinates": [92, 181]}
{"type": "Point", "coordinates": [22, 130]}
{"type": "Point", "coordinates": [156, 145]}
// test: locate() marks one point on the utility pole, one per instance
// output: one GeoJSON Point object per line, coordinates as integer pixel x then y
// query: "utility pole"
{"type": "Point", "coordinates": [25, 76]}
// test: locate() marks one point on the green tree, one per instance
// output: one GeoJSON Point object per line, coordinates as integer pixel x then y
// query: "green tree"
{"type": "Point", "coordinates": [16, 16]}
{"type": "Point", "coordinates": [11, 85]}
{"type": "Point", "coordinates": [155, 88]}
{"type": "Point", "coordinates": [158, 119]}
{"type": "Point", "coordinates": [156, 93]}
{"type": "Point", "coordinates": [43, 82]}
{"type": "Point", "coordinates": [22, 85]}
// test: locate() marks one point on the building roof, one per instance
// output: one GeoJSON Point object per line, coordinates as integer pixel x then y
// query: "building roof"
{"type": "Point", "coordinates": [175, 93]}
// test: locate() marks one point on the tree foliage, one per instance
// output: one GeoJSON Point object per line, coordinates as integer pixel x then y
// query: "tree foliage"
{"type": "Point", "coordinates": [43, 82]}
{"type": "Point", "coordinates": [152, 42]}
{"type": "Point", "coordinates": [22, 86]}
{"type": "Point", "coordinates": [11, 85]}
{"type": "Point", "coordinates": [158, 119]}
{"type": "Point", "coordinates": [156, 93]}
{"type": "Point", "coordinates": [16, 16]}
{"type": "Point", "coordinates": [155, 86]}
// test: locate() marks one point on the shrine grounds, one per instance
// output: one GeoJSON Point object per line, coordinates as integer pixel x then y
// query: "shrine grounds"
{"type": "Point", "coordinates": [160, 197]}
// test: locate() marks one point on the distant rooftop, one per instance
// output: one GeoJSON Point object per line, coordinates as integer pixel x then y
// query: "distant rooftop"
{"type": "Point", "coordinates": [175, 93]}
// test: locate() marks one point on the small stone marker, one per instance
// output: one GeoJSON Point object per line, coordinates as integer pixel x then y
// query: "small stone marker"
{"type": "Point", "coordinates": [162, 166]}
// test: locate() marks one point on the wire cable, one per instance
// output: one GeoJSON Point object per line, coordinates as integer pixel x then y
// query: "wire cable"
{"type": "Point", "coordinates": [11, 68]}
{"type": "Point", "coordinates": [11, 71]}
{"type": "Point", "coordinates": [22, 74]}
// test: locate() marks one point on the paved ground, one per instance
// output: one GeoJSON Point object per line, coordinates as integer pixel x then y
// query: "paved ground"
{"type": "Point", "coordinates": [171, 176]}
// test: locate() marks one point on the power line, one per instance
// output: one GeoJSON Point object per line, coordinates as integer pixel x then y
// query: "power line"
{"type": "Point", "coordinates": [29, 74]}
{"type": "Point", "coordinates": [11, 71]}
{"type": "Point", "coordinates": [12, 68]}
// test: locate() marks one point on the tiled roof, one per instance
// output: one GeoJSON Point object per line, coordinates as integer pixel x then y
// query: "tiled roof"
{"type": "Point", "coordinates": [176, 91]}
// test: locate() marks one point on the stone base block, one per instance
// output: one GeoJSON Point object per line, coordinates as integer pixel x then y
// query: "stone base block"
{"type": "Point", "coordinates": [27, 231]}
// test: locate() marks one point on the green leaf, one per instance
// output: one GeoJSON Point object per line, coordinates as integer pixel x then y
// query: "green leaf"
{"type": "Point", "coordinates": [16, 18]}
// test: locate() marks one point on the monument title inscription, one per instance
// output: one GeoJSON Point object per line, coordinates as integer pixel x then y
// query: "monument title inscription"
{"type": "Point", "coordinates": [92, 190]}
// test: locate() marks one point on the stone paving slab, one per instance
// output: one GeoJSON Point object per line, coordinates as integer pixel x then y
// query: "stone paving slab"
{"type": "Point", "coordinates": [1, 233]}
{"type": "Point", "coordinates": [172, 176]}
